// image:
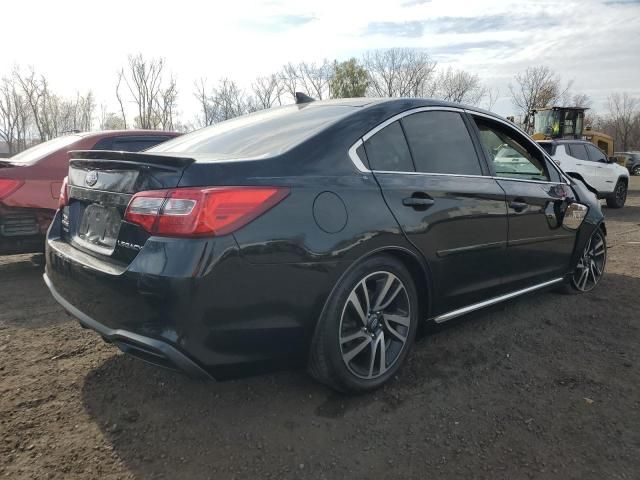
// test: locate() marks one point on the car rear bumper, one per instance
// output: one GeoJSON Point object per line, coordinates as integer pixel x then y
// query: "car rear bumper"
{"type": "Point", "coordinates": [148, 349]}
{"type": "Point", "coordinates": [22, 230]}
{"type": "Point", "coordinates": [197, 297]}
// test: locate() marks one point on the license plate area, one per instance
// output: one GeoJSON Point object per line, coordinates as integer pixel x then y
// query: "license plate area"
{"type": "Point", "coordinates": [99, 228]}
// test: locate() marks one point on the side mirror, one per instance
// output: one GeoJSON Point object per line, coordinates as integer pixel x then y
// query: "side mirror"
{"type": "Point", "coordinates": [574, 215]}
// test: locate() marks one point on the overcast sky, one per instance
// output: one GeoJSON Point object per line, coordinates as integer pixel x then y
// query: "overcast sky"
{"type": "Point", "coordinates": [81, 44]}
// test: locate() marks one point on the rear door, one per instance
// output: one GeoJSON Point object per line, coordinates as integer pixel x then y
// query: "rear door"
{"type": "Point", "coordinates": [450, 209]}
{"type": "Point", "coordinates": [538, 248]}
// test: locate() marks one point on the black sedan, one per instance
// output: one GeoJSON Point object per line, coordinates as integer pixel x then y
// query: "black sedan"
{"type": "Point", "coordinates": [318, 235]}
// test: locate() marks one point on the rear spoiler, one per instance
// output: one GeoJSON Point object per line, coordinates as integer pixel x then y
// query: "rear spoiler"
{"type": "Point", "coordinates": [87, 158]}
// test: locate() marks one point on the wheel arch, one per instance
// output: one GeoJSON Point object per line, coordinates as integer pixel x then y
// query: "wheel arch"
{"type": "Point", "coordinates": [415, 264]}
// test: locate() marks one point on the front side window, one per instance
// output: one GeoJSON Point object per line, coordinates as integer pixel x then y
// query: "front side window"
{"type": "Point", "coordinates": [440, 143]}
{"type": "Point", "coordinates": [508, 153]}
{"type": "Point", "coordinates": [577, 150]}
{"type": "Point", "coordinates": [387, 150]}
{"type": "Point", "coordinates": [596, 154]}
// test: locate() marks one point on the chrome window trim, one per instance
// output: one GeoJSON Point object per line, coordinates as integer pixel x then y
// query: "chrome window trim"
{"type": "Point", "coordinates": [361, 167]}
{"type": "Point", "coordinates": [477, 306]}
{"type": "Point", "coordinates": [357, 161]}
{"type": "Point", "coordinates": [406, 113]}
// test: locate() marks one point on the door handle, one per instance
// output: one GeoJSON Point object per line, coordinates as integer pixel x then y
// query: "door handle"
{"type": "Point", "coordinates": [519, 206]}
{"type": "Point", "coordinates": [417, 202]}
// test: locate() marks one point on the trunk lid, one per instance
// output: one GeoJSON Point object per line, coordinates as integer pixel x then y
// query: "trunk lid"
{"type": "Point", "coordinates": [100, 186]}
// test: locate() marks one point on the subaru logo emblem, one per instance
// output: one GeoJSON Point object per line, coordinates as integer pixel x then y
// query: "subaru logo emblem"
{"type": "Point", "coordinates": [92, 178]}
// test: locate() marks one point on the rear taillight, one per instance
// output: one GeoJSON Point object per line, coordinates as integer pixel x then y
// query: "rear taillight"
{"type": "Point", "coordinates": [195, 212]}
{"type": "Point", "coordinates": [63, 199]}
{"type": "Point", "coordinates": [8, 186]}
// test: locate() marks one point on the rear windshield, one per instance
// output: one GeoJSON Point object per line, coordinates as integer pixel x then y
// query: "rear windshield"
{"type": "Point", "coordinates": [33, 154]}
{"type": "Point", "coordinates": [261, 134]}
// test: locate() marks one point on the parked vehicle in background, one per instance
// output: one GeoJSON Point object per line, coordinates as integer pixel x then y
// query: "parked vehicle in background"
{"type": "Point", "coordinates": [629, 160]}
{"type": "Point", "coordinates": [583, 160]}
{"type": "Point", "coordinates": [30, 182]}
{"type": "Point", "coordinates": [321, 234]}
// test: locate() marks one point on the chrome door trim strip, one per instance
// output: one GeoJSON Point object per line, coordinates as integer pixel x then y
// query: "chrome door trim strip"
{"type": "Point", "coordinates": [359, 164]}
{"type": "Point", "coordinates": [470, 248]}
{"type": "Point", "coordinates": [477, 306]}
{"type": "Point", "coordinates": [400, 115]}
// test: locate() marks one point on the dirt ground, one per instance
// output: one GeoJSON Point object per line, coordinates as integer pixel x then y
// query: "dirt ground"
{"type": "Point", "coordinates": [546, 386]}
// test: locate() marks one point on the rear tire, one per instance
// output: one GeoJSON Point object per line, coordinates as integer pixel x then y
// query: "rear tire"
{"type": "Point", "coordinates": [619, 195]}
{"type": "Point", "coordinates": [367, 328]}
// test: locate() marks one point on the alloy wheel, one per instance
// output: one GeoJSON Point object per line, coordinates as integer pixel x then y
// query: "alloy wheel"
{"type": "Point", "coordinates": [374, 325]}
{"type": "Point", "coordinates": [591, 264]}
{"type": "Point", "coordinates": [636, 170]}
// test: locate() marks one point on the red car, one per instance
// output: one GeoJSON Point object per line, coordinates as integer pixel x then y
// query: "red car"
{"type": "Point", "coordinates": [30, 182]}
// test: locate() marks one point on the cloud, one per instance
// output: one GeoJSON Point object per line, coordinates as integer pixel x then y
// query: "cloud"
{"type": "Point", "coordinates": [411, 3]}
{"type": "Point", "coordinates": [413, 29]}
{"type": "Point", "coordinates": [459, 48]}
{"type": "Point", "coordinates": [279, 23]}
{"type": "Point", "coordinates": [491, 23]}
{"type": "Point", "coordinates": [486, 23]}
{"type": "Point", "coordinates": [622, 2]}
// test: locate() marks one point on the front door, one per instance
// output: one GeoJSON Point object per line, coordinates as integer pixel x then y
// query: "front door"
{"type": "Point", "coordinates": [450, 209]}
{"type": "Point", "coordinates": [539, 248]}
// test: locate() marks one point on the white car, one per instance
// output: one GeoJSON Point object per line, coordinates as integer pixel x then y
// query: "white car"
{"type": "Point", "coordinates": [583, 160]}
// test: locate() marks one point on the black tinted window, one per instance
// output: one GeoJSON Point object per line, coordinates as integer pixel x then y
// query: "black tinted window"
{"type": "Point", "coordinates": [595, 153]}
{"type": "Point", "coordinates": [577, 150]}
{"type": "Point", "coordinates": [388, 150]}
{"type": "Point", "coordinates": [511, 153]}
{"type": "Point", "coordinates": [440, 143]}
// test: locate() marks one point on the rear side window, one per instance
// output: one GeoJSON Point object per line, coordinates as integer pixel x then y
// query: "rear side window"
{"type": "Point", "coordinates": [547, 147]}
{"type": "Point", "coordinates": [577, 150]}
{"type": "Point", "coordinates": [440, 143]}
{"type": "Point", "coordinates": [388, 150]}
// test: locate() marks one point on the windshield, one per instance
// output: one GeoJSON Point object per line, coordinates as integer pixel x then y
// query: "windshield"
{"type": "Point", "coordinates": [258, 135]}
{"type": "Point", "coordinates": [546, 122]}
{"type": "Point", "coordinates": [34, 154]}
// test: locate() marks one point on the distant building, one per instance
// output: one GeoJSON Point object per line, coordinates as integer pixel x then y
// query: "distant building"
{"type": "Point", "coordinates": [4, 150]}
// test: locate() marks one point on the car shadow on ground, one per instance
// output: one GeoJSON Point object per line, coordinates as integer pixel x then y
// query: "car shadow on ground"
{"type": "Point", "coordinates": [493, 370]}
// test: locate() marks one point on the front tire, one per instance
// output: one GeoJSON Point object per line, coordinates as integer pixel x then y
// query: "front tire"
{"type": "Point", "coordinates": [636, 170]}
{"type": "Point", "coordinates": [591, 264]}
{"type": "Point", "coordinates": [367, 328]}
{"type": "Point", "coordinates": [619, 195]}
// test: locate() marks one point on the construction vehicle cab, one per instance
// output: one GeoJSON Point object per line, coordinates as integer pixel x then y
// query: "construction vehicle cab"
{"type": "Point", "coordinates": [558, 122]}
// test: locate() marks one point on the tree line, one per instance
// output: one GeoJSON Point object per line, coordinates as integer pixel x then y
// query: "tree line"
{"type": "Point", "coordinates": [146, 93]}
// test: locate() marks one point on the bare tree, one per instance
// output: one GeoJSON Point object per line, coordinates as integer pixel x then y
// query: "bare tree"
{"type": "Point", "coordinates": [492, 97]}
{"type": "Point", "coordinates": [536, 87]}
{"type": "Point", "coordinates": [400, 72]}
{"type": "Point", "coordinates": [223, 102]}
{"type": "Point", "coordinates": [624, 118]}
{"type": "Point", "coordinates": [120, 99]}
{"type": "Point", "coordinates": [14, 116]}
{"type": "Point", "coordinates": [267, 91]}
{"type": "Point", "coordinates": [155, 98]}
{"type": "Point", "coordinates": [460, 86]}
